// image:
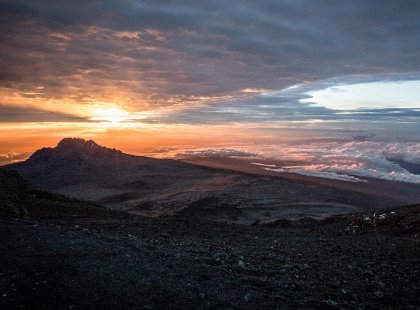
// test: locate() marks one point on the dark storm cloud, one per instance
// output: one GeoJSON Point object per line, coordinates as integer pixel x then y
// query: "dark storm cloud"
{"type": "Point", "coordinates": [176, 52]}
{"type": "Point", "coordinates": [11, 114]}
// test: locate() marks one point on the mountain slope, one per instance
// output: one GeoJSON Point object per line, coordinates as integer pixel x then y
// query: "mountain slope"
{"type": "Point", "coordinates": [147, 186]}
{"type": "Point", "coordinates": [20, 199]}
{"type": "Point", "coordinates": [86, 170]}
{"type": "Point", "coordinates": [66, 254]}
{"type": "Point", "coordinates": [75, 160]}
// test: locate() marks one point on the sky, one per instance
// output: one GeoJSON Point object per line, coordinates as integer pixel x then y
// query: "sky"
{"type": "Point", "coordinates": [146, 76]}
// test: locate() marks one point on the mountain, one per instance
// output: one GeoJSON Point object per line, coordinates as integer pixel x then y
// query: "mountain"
{"type": "Point", "coordinates": [86, 170]}
{"type": "Point", "coordinates": [147, 186]}
{"type": "Point", "coordinates": [20, 199]}
{"type": "Point", "coordinates": [75, 161]}
{"type": "Point", "coordinates": [11, 184]}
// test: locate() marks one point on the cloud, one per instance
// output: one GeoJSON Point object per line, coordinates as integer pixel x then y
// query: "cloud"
{"type": "Point", "coordinates": [11, 157]}
{"type": "Point", "coordinates": [208, 62]}
{"type": "Point", "coordinates": [286, 106]}
{"type": "Point", "coordinates": [370, 159]}
{"type": "Point", "coordinates": [213, 152]}
{"type": "Point", "coordinates": [179, 52]}
{"type": "Point", "coordinates": [11, 114]}
{"type": "Point", "coordinates": [320, 174]}
{"type": "Point", "coordinates": [348, 160]}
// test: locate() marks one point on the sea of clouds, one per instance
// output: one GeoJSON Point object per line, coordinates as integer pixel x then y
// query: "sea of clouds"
{"type": "Point", "coordinates": [350, 160]}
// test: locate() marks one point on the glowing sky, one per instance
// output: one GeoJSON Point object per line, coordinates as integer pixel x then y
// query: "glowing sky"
{"type": "Point", "coordinates": [146, 75]}
{"type": "Point", "coordinates": [379, 95]}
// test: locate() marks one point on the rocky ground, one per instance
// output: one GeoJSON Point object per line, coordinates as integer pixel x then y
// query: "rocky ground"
{"type": "Point", "coordinates": [58, 253]}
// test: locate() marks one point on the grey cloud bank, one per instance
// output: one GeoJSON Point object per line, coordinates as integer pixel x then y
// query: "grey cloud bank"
{"type": "Point", "coordinates": [187, 49]}
{"type": "Point", "coordinates": [10, 114]}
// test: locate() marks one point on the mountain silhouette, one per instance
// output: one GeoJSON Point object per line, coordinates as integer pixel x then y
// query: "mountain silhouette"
{"type": "Point", "coordinates": [83, 169]}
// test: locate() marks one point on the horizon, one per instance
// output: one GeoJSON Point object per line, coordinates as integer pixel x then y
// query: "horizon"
{"type": "Point", "coordinates": [281, 80]}
{"type": "Point", "coordinates": [210, 154]}
{"type": "Point", "coordinates": [298, 158]}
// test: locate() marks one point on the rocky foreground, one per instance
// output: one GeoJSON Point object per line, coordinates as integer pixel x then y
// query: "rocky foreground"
{"type": "Point", "coordinates": [58, 253]}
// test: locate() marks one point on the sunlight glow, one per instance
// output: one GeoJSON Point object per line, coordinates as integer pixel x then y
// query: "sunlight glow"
{"type": "Point", "coordinates": [115, 116]}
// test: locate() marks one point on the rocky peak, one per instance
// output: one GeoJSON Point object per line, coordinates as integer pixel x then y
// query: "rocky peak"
{"type": "Point", "coordinates": [74, 146]}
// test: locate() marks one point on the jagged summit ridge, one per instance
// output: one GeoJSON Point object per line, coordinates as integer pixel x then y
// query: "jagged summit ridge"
{"type": "Point", "coordinates": [82, 144]}
{"type": "Point", "coordinates": [73, 146]}
{"type": "Point", "coordinates": [76, 142]}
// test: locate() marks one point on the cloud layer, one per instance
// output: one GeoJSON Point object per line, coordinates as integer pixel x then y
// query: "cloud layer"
{"type": "Point", "coordinates": [156, 53]}
{"type": "Point", "coordinates": [338, 160]}
{"type": "Point", "coordinates": [10, 114]}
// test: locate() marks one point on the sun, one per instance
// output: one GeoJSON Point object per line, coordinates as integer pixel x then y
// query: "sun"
{"type": "Point", "coordinates": [114, 116]}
